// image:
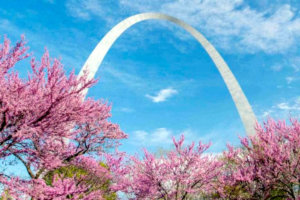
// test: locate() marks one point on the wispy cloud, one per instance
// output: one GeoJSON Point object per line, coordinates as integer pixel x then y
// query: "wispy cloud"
{"type": "Point", "coordinates": [290, 79]}
{"type": "Point", "coordinates": [84, 9]}
{"type": "Point", "coordinates": [276, 67]}
{"type": "Point", "coordinates": [152, 138]}
{"type": "Point", "coordinates": [295, 63]}
{"type": "Point", "coordinates": [63, 48]}
{"type": "Point", "coordinates": [126, 110]}
{"type": "Point", "coordinates": [94, 9]}
{"type": "Point", "coordinates": [289, 107]}
{"type": "Point", "coordinates": [9, 28]}
{"type": "Point", "coordinates": [283, 109]}
{"type": "Point", "coordinates": [228, 23]}
{"type": "Point", "coordinates": [160, 136]}
{"type": "Point", "coordinates": [162, 95]}
{"type": "Point", "coordinates": [234, 23]}
{"type": "Point", "coordinates": [129, 79]}
{"type": "Point", "coordinates": [291, 61]}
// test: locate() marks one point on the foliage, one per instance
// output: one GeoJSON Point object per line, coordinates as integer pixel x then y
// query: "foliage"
{"type": "Point", "coordinates": [5, 195]}
{"type": "Point", "coordinates": [88, 178]}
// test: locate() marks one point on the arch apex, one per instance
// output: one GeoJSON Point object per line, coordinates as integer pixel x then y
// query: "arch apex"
{"type": "Point", "coordinates": [96, 57]}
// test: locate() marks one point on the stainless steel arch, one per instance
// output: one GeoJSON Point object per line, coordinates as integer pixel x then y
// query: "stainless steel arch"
{"type": "Point", "coordinates": [95, 59]}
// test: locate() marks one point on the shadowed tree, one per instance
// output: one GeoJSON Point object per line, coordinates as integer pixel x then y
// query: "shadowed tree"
{"type": "Point", "coordinates": [84, 176]}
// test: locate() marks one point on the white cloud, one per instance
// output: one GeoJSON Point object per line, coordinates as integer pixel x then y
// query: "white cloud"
{"type": "Point", "coordinates": [84, 9]}
{"type": "Point", "coordinates": [9, 28]}
{"type": "Point", "coordinates": [295, 63]}
{"type": "Point", "coordinates": [290, 79]}
{"type": "Point", "coordinates": [126, 110]}
{"type": "Point", "coordinates": [233, 23]}
{"type": "Point", "coordinates": [297, 101]}
{"type": "Point", "coordinates": [267, 113]}
{"type": "Point", "coordinates": [161, 134]}
{"type": "Point", "coordinates": [160, 137]}
{"type": "Point", "coordinates": [276, 67]}
{"type": "Point", "coordinates": [283, 110]}
{"type": "Point", "coordinates": [140, 135]}
{"type": "Point", "coordinates": [162, 95]}
{"type": "Point", "coordinates": [153, 138]}
{"type": "Point", "coordinates": [283, 106]}
{"type": "Point", "coordinates": [230, 24]}
{"type": "Point", "coordinates": [129, 79]}
{"type": "Point", "coordinates": [289, 106]}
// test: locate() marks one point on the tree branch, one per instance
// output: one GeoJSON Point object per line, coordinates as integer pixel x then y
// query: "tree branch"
{"type": "Point", "coordinates": [25, 164]}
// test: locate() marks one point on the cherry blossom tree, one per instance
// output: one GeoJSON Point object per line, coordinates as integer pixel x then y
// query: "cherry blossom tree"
{"type": "Point", "coordinates": [184, 173]}
{"type": "Point", "coordinates": [45, 123]}
{"type": "Point", "coordinates": [267, 166]}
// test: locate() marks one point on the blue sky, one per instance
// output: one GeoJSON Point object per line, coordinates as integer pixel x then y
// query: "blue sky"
{"type": "Point", "coordinates": [160, 81]}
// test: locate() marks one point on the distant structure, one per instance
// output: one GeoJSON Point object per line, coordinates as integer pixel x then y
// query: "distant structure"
{"type": "Point", "coordinates": [96, 57]}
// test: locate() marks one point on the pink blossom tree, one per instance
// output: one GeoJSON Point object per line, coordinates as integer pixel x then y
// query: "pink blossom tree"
{"type": "Point", "coordinates": [44, 121]}
{"type": "Point", "coordinates": [267, 166]}
{"type": "Point", "coordinates": [184, 173]}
